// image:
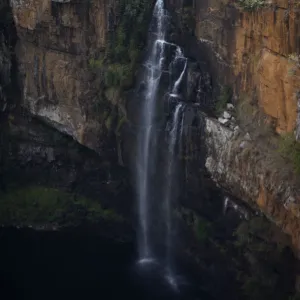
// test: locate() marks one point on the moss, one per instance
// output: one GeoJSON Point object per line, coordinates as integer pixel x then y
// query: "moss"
{"type": "Point", "coordinates": [118, 75]}
{"type": "Point", "coordinates": [223, 99]}
{"type": "Point", "coordinates": [201, 228]}
{"type": "Point", "coordinates": [39, 205]}
{"type": "Point", "coordinates": [95, 63]}
{"type": "Point", "coordinates": [125, 44]}
{"type": "Point", "coordinates": [251, 5]}
{"type": "Point", "coordinates": [289, 148]}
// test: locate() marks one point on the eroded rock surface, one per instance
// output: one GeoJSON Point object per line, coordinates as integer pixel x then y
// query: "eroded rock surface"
{"type": "Point", "coordinates": [247, 170]}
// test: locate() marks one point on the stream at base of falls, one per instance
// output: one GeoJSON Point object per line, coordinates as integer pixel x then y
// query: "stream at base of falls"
{"type": "Point", "coordinates": [79, 264]}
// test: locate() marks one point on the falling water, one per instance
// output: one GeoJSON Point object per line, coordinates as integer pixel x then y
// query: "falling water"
{"type": "Point", "coordinates": [170, 174]}
{"type": "Point", "coordinates": [147, 135]}
{"type": "Point", "coordinates": [179, 55]}
{"type": "Point", "coordinates": [174, 138]}
{"type": "Point", "coordinates": [155, 65]}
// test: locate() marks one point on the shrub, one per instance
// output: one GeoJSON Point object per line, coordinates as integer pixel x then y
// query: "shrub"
{"type": "Point", "coordinates": [290, 149]}
{"type": "Point", "coordinates": [95, 63]}
{"type": "Point", "coordinates": [202, 228]}
{"type": "Point", "coordinates": [125, 43]}
{"type": "Point", "coordinates": [39, 205]}
{"type": "Point", "coordinates": [223, 99]}
{"type": "Point", "coordinates": [251, 5]}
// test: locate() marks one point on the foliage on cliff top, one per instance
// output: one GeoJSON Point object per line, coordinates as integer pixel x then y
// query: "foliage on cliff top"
{"type": "Point", "coordinates": [40, 205]}
{"type": "Point", "coordinates": [251, 5]}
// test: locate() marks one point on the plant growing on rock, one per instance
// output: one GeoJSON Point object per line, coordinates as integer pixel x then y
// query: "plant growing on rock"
{"type": "Point", "coordinates": [38, 205]}
{"type": "Point", "coordinates": [126, 42]}
{"type": "Point", "coordinates": [251, 5]}
{"type": "Point", "coordinates": [290, 149]}
{"type": "Point", "coordinates": [223, 99]}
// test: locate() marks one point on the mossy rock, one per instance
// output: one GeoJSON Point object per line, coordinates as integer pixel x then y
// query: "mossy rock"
{"type": "Point", "coordinates": [38, 205]}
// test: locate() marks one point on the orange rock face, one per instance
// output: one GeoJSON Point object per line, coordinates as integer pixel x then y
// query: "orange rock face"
{"type": "Point", "coordinates": [260, 52]}
{"type": "Point", "coordinates": [56, 40]}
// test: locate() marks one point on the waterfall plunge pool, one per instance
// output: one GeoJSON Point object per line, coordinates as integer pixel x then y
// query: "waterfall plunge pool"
{"type": "Point", "coordinates": [83, 265]}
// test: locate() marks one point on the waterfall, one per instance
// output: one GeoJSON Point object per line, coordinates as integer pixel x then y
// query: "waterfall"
{"type": "Point", "coordinates": [179, 55]}
{"type": "Point", "coordinates": [163, 58]}
{"type": "Point", "coordinates": [171, 172]}
{"type": "Point", "coordinates": [146, 136]}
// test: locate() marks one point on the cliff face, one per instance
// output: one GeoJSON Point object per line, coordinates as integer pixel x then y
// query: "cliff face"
{"type": "Point", "coordinates": [77, 65]}
{"type": "Point", "coordinates": [53, 59]}
{"type": "Point", "coordinates": [62, 53]}
{"type": "Point", "coordinates": [250, 172]}
{"type": "Point", "coordinates": [256, 53]}
{"type": "Point", "coordinates": [258, 56]}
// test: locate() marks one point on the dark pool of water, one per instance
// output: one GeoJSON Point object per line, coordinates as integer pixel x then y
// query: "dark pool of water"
{"type": "Point", "coordinates": [80, 264]}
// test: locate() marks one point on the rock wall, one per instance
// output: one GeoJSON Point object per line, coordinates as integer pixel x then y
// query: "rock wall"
{"type": "Point", "coordinates": [61, 50]}
{"type": "Point", "coordinates": [255, 52]}
{"type": "Point", "coordinates": [254, 174]}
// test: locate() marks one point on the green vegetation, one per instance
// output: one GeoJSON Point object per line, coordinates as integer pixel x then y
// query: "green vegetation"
{"type": "Point", "coordinates": [95, 63]}
{"type": "Point", "coordinates": [118, 75]}
{"type": "Point", "coordinates": [40, 205]}
{"type": "Point", "coordinates": [251, 5]}
{"type": "Point", "coordinates": [201, 228]}
{"type": "Point", "coordinates": [126, 42]}
{"type": "Point", "coordinates": [223, 99]}
{"type": "Point", "coordinates": [289, 148]}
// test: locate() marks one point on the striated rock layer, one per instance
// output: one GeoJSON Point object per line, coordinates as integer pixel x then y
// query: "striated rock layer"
{"type": "Point", "coordinates": [255, 52]}
{"type": "Point", "coordinates": [248, 171]}
{"type": "Point", "coordinates": [56, 41]}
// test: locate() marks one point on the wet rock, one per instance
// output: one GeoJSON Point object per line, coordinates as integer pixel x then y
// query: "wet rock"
{"type": "Point", "coordinates": [223, 121]}
{"type": "Point", "coordinates": [246, 171]}
{"type": "Point", "coordinates": [226, 115]}
{"type": "Point", "coordinates": [230, 106]}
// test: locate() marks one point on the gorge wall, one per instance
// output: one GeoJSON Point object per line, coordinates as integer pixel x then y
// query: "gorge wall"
{"type": "Point", "coordinates": [255, 53]}
{"type": "Point", "coordinates": [76, 63]}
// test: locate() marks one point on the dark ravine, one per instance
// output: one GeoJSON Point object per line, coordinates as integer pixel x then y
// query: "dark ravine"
{"type": "Point", "coordinates": [91, 161]}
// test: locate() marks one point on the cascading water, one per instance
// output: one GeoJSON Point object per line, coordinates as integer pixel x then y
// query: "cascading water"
{"type": "Point", "coordinates": [161, 52]}
{"type": "Point", "coordinates": [147, 135]}
{"type": "Point", "coordinates": [173, 138]}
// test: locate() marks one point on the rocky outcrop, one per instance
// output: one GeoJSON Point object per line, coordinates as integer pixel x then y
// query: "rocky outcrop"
{"type": "Point", "coordinates": [53, 56]}
{"type": "Point", "coordinates": [257, 175]}
{"type": "Point", "coordinates": [62, 52]}
{"type": "Point", "coordinates": [255, 52]}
